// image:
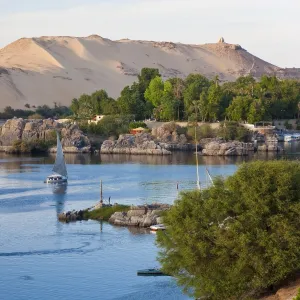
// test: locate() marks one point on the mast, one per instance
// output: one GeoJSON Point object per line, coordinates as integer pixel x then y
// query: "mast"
{"type": "Point", "coordinates": [209, 176]}
{"type": "Point", "coordinates": [101, 195]}
{"type": "Point", "coordinates": [196, 141]}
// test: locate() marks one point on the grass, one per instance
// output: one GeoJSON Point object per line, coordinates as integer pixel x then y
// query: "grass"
{"type": "Point", "coordinates": [105, 212]}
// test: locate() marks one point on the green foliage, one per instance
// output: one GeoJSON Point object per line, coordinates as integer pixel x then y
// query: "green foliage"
{"type": "Point", "coordinates": [287, 125]}
{"type": "Point", "coordinates": [105, 212]}
{"type": "Point", "coordinates": [233, 131]}
{"type": "Point", "coordinates": [298, 296]}
{"type": "Point", "coordinates": [202, 131]}
{"type": "Point", "coordinates": [147, 74]}
{"type": "Point", "coordinates": [237, 237]}
{"type": "Point", "coordinates": [131, 102]}
{"type": "Point", "coordinates": [113, 125]}
{"type": "Point", "coordinates": [35, 116]}
{"type": "Point", "coordinates": [29, 146]}
{"type": "Point", "coordinates": [133, 125]}
{"type": "Point", "coordinates": [155, 91]}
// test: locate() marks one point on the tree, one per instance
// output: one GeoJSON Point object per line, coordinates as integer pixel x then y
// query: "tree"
{"type": "Point", "coordinates": [214, 98]}
{"type": "Point", "coordinates": [169, 104]}
{"type": "Point", "coordinates": [155, 91]}
{"type": "Point", "coordinates": [144, 79]}
{"type": "Point", "coordinates": [239, 108]}
{"type": "Point", "coordinates": [131, 102]}
{"type": "Point", "coordinates": [75, 107]}
{"type": "Point", "coordinates": [195, 84]}
{"type": "Point", "coordinates": [239, 236]}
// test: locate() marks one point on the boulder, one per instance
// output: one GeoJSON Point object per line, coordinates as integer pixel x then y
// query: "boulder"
{"type": "Point", "coordinates": [221, 148]}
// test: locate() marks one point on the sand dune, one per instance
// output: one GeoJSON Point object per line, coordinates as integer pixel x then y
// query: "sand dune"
{"type": "Point", "coordinates": [57, 69]}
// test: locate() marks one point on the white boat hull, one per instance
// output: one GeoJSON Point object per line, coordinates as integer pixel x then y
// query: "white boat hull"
{"type": "Point", "coordinates": [56, 179]}
{"type": "Point", "coordinates": [157, 227]}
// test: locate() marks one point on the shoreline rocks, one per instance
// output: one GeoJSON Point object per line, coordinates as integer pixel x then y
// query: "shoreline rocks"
{"type": "Point", "coordinates": [142, 143]}
{"type": "Point", "coordinates": [219, 147]}
{"type": "Point", "coordinates": [141, 216]}
{"type": "Point", "coordinates": [32, 131]}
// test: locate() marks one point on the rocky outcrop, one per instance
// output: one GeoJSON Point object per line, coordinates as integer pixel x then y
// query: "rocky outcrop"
{"type": "Point", "coordinates": [71, 216]}
{"type": "Point", "coordinates": [73, 139]}
{"type": "Point", "coordinates": [170, 136]}
{"type": "Point", "coordinates": [142, 143]}
{"type": "Point", "coordinates": [142, 216]}
{"type": "Point", "coordinates": [223, 148]}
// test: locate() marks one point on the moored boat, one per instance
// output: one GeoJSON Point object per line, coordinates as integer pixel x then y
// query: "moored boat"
{"type": "Point", "coordinates": [158, 227]}
{"type": "Point", "coordinates": [151, 272]}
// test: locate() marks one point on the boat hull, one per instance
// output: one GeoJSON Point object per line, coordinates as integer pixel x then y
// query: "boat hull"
{"type": "Point", "coordinates": [56, 179]}
{"type": "Point", "coordinates": [151, 272]}
{"type": "Point", "coordinates": [157, 227]}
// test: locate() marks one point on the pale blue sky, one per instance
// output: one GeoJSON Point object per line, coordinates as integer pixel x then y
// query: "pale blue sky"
{"type": "Point", "coordinates": [266, 28]}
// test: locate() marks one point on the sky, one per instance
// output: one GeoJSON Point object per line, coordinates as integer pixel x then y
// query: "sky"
{"type": "Point", "coordinates": [265, 28]}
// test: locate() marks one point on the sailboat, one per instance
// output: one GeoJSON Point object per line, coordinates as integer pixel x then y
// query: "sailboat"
{"type": "Point", "coordinates": [60, 170]}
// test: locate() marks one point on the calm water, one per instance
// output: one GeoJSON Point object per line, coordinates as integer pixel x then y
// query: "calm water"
{"type": "Point", "coordinates": [41, 258]}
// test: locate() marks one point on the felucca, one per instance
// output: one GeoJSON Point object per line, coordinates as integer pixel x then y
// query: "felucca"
{"type": "Point", "coordinates": [59, 169]}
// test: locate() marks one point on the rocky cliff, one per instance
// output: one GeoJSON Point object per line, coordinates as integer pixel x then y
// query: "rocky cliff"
{"type": "Point", "coordinates": [29, 131]}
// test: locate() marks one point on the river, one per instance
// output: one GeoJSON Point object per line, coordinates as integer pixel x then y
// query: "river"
{"type": "Point", "coordinates": [41, 258]}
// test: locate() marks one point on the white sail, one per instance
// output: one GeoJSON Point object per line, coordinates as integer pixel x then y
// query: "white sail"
{"type": "Point", "coordinates": [60, 165]}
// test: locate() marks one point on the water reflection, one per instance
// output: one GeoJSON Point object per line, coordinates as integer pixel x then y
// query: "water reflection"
{"type": "Point", "coordinates": [59, 194]}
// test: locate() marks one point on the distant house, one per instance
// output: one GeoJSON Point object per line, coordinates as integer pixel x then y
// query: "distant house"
{"type": "Point", "coordinates": [137, 130]}
{"type": "Point", "coordinates": [96, 119]}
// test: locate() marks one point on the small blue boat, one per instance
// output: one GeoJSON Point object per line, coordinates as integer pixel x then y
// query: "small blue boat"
{"type": "Point", "coordinates": [151, 272]}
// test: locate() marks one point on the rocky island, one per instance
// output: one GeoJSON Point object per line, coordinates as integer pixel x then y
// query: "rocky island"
{"type": "Point", "coordinates": [121, 215]}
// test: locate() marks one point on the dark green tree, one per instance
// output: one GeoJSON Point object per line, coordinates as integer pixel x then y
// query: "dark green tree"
{"type": "Point", "coordinates": [238, 237]}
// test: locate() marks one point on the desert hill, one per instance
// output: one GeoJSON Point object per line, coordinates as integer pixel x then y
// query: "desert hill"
{"type": "Point", "coordinates": [47, 69]}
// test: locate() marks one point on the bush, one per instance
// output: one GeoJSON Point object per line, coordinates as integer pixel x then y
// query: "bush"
{"type": "Point", "coordinates": [105, 212]}
{"type": "Point", "coordinates": [237, 237]}
{"type": "Point", "coordinates": [233, 131]}
{"type": "Point", "coordinates": [36, 116]}
{"type": "Point", "coordinates": [287, 125]}
{"type": "Point", "coordinates": [108, 126]}
{"type": "Point", "coordinates": [203, 131]}
{"type": "Point", "coordinates": [133, 125]}
{"type": "Point", "coordinates": [20, 146]}
{"type": "Point", "coordinates": [298, 296]}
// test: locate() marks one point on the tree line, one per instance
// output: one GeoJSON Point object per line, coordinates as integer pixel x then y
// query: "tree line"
{"type": "Point", "coordinates": [196, 98]}
{"type": "Point", "coordinates": [190, 99]}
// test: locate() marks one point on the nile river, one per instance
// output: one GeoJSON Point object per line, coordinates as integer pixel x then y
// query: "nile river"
{"type": "Point", "coordinates": [41, 258]}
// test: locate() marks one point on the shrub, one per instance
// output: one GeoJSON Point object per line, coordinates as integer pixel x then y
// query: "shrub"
{"type": "Point", "coordinates": [298, 296]}
{"type": "Point", "coordinates": [287, 125]}
{"type": "Point", "coordinates": [133, 125]}
{"type": "Point", "coordinates": [108, 126]}
{"type": "Point", "coordinates": [202, 132]}
{"type": "Point", "coordinates": [36, 116]}
{"type": "Point", "coordinates": [105, 212]}
{"type": "Point", "coordinates": [233, 131]}
{"type": "Point", "coordinates": [237, 237]}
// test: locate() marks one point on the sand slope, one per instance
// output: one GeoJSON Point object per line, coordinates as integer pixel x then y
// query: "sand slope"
{"type": "Point", "coordinates": [57, 69]}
